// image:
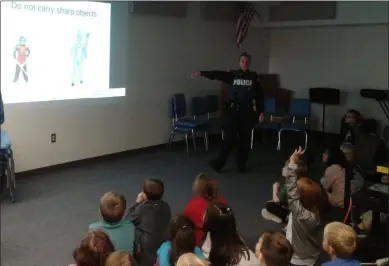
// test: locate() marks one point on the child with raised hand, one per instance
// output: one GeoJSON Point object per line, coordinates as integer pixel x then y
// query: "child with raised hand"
{"type": "Point", "coordinates": [340, 242]}
{"type": "Point", "coordinates": [151, 216]}
{"type": "Point", "coordinates": [182, 240]}
{"type": "Point", "coordinates": [306, 202]}
{"type": "Point", "coordinates": [121, 232]}
{"type": "Point", "coordinates": [276, 209]}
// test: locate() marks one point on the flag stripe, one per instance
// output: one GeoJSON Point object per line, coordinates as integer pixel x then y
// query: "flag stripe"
{"type": "Point", "coordinates": [244, 22]}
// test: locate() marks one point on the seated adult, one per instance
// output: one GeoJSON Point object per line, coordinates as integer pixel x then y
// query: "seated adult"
{"type": "Point", "coordinates": [349, 126]}
{"type": "Point", "coordinates": [334, 177]}
{"type": "Point", "coordinates": [223, 245]}
{"type": "Point", "coordinates": [205, 190]}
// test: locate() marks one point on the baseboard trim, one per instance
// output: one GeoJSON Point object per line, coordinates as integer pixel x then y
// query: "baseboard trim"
{"type": "Point", "coordinates": [88, 161]}
{"type": "Point", "coordinates": [103, 158]}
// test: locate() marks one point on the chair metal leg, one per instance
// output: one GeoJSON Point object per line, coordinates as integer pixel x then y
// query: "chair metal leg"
{"type": "Point", "coordinates": [194, 139]}
{"type": "Point", "coordinates": [187, 143]}
{"type": "Point", "coordinates": [9, 179]}
{"type": "Point", "coordinates": [222, 132]}
{"type": "Point", "coordinates": [12, 166]}
{"type": "Point", "coordinates": [279, 139]}
{"type": "Point", "coordinates": [206, 141]}
{"type": "Point", "coordinates": [171, 137]}
{"type": "Point", "coordinates": [306, 139]}
{"type": "Point", "coordinates": [252, 139]}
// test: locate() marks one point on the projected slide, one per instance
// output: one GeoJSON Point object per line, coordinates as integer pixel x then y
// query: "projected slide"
{"type": "Point", "coordinates": [55, 51]}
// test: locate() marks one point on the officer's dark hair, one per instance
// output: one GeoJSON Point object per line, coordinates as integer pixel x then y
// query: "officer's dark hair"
{"type": "Point", "coordinates": [244, 54]}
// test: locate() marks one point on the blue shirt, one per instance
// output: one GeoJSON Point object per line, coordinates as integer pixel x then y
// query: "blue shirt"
{"type": "Point", "coordinates": [164, 253]}
{"type": "Point", "coordinates": [342, 262]}
{"type": "Point", "coordinates": [122, 234]}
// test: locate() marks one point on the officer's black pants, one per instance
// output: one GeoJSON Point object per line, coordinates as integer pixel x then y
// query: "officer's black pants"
{"type": "Point", "coordinates": [237, 130]}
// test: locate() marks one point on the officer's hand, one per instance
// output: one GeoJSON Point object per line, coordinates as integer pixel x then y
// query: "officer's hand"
{"type": "Point", "coordinates": [261, 117]}
{"type": "Point", "coordinates": [196, 74]}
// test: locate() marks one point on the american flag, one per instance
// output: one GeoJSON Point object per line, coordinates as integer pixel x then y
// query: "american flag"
{"type": "Point", "coordinates": [244, 22]}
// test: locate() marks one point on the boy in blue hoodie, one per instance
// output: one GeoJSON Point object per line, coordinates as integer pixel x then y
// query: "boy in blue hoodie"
{"type": "Point", "coordinates": [121, 232]}
{"type": "Point", "coordinates": [340, 242]}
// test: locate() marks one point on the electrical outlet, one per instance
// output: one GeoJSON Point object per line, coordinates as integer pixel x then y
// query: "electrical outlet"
{"type": "Point", "coordinates": [53, 138]}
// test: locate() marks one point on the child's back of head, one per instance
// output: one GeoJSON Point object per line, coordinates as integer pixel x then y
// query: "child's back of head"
{"type": "Point", "coordinates": [182, 237]}
{"type": "Point", "coordinates": [273, 249]}
{"type": "Point", "coordinates": [190, 259]}
{"type": "Point", "coordinates": [153, 189]}
{"type": "Point", "coordinates": [120, 258]}
{"type": "Point", "coordinates": [112, 207]}
{"type": "Point", "coordinates": [340, 240]}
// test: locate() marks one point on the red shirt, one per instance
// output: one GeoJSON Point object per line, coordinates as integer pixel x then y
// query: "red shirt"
{"type": "Point", "coordinates": [22, 54]}
{"type": "Point", "coordinates": [195, 210]}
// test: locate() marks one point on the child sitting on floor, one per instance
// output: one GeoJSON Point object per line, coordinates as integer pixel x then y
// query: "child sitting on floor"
{"type": "Point", "coordinates": [151, 216]}
{"type": "Point", "coordinates": [340, 242]}
{"type": "Point", "coordinates": [191, 259]}
{"type": "Point", "coordinates": [273, 249]}
{"type": "Point", "coordinates": [182, 240]}
{"type": "Point", "coordinates": [276, 210]}
{"type": "Point", "coordinates": [306, 203]}
{"type": "Point", "coordinates": [121, 232]}
{"type": "Point", "coordinates": [205, 190]}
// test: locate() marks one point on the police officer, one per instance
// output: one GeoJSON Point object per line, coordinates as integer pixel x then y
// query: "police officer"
{"type": "Point", "coordinates": [245, 108]}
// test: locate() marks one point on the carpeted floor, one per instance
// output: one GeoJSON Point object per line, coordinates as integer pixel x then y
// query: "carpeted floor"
{"type": "Point", "coordinates": [53, 211]}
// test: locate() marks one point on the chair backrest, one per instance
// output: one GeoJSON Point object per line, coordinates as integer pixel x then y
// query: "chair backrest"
{"type": "Point", "coordinates": [5, 141]}
{"type": "Point", "coordinates": [212, 104]}
{"type": "Point", "coordinates": [199, 106]}
{"type": "Point", "coordinates": [300, 108]}
{"type": "Point", "coordinates": [178, 106]}
{"type": "Point", "coordinates": [270, 107]}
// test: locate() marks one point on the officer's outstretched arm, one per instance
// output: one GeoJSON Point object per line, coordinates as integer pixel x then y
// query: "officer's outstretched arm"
{"type": "Point", "coordinates": [259, 96]}
{"type": "Point", "coordinates": [225, 76]}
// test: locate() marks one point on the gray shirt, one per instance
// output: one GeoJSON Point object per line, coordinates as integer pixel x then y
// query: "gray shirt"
{"type": "Point", "coordinates": [304, 229]}
{"type": "Point", "coordinates": [151, 219]}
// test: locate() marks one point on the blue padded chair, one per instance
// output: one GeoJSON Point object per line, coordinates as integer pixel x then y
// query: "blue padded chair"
{"type": "Point", "coordinates": [187, 124]}
{"type": "Point", "coordinates": [299, 112]}
{"type": "Point", "coordinates": [270, 110]}
{"type": "Point", "coordinates": [7, 165]}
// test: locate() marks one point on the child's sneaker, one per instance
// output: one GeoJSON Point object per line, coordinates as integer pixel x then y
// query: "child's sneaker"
{"type": "Point", "coordinates": [270, 217]}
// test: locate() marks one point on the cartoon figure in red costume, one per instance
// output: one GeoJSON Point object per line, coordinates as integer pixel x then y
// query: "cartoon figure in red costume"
{"type": "Point", "coordinates": [21, 53]}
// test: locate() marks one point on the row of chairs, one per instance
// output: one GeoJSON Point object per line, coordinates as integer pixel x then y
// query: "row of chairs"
{"type": "Point", "coordinates": [201, 119]}
{"type": "Point", "coordinates": [297, 119]}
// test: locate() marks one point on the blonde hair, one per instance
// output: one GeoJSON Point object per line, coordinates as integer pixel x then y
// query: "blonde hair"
{"type": "Point", "coordinates": [112, 207]}
{"type": "Point", "coordinates": [341, 238]}
{"type": "Point", "coordinates": [119, 258]}
{"type": "Point", "coordinates": [190, 259]}
{"type": "Point", "coordinates": [348, 151]}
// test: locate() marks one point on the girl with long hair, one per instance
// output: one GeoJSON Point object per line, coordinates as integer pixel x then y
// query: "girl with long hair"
{"type": "Point", "coordinates": [181, 240]}
{"type": "Point", "coordinates": [223, 246]}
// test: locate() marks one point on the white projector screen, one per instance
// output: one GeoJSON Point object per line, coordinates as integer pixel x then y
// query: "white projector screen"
{"type": "Point", "coordinates": [55, 51]}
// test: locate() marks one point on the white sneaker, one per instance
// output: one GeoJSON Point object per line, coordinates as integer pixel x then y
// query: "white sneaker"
{"type": "Point", "coordinates": [270, 217]}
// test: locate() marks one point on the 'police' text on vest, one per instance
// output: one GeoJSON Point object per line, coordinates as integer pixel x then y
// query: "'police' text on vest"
{"type": "Point", "coordinates": [242, 82]}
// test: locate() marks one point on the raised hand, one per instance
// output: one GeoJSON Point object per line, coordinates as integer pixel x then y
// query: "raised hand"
{"type": "Point", "coordinates": [141, 197]}
{"type": "Point", "coordinates": [296, 154]}
{"type": "Point", "coordinates": [196, 74]}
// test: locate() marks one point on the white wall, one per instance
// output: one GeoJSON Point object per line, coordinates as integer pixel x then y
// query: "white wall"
{"type": "Point", "coordinates": [346, 57]}
{"type": "Point", "coordinates": [153, 58]}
